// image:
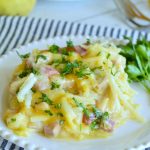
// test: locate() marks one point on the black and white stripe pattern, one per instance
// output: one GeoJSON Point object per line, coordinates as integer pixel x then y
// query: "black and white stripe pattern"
{"type": "Point", "coordinates": [16, 31]}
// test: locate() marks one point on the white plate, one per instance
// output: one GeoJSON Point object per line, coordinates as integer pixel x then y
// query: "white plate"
{"type": "Point", "coordinates": [130, 136]}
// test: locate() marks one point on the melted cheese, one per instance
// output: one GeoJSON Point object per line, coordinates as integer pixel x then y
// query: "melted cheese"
{"type": "Point", "coordinates": [105, 87]}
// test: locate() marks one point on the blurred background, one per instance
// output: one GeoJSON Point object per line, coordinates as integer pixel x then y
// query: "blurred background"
{"type": "Point", "coordinates": [121, 13]}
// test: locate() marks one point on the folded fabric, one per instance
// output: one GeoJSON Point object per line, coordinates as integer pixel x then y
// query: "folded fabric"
{"type": "Point", "coordinates": [16, 31]}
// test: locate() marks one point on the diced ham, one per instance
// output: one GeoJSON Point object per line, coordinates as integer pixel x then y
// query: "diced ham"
{"type": "Point", "coordinates": [30, 62]}
{"type": "Point", "coordinates": [52, 129]}
{"type": "Point", "coordinates": [108, 125]}
{"type": "Point", "coordinates": [37, 126]}
{"type": "Point", "coordinates": [42, 83]}
{"type": "Point", "coordinates": [80, 50]}
{"type": "Point", "coordinates": [88, 119]}
{"type": "Point", "coordinates": [48, 71]}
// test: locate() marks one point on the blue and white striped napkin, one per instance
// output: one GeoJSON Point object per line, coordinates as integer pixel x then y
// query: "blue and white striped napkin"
{"type": "Point", "coordinates": [16, 31]}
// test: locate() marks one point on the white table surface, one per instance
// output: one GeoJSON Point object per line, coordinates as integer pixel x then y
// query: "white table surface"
{"type": "Point", "coordinates": [98, 12]}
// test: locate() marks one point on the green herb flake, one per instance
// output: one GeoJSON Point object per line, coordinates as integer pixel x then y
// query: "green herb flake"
{"type": "Point", "coordinates": [60, 114]}
{"type": "Point", "coordinates": [108, 55]}
{"type": "Point", "coordinates": [63, 60]}
{"type": "Point", "coordinates": [80, 127]}
{"type": "Point", "coordinates": [95, 68]}
{"type": "Point", "coordinates": [88, 41]}
{"type": "Point", "coordinates": [40, 56]}
{"type": "Point", "coordinates": [93, 125]}
{"type": "Point", "coordinates": [54, 48]}
{"type": "Point", "coordinates": [54, 85]}
{"type": "Point", "coordinates": [33, 90]}
{"type": "Point", "coordinates": [48, 112]}
{"type": "Point", "coordinates": [98, 54]}
{"type": "Point", "coordinates": [27, 71]}
{"type": "Point", "coordinates": [23, 56]}
{"type": "Point", "coordinates": [69, 43]}
{"type": "Point", "coordinates": [78, 104]}
{"type": "Point", "coordinates": [97, 112]}
{"type": "Point", "coordinates": [83, 72]}
{"type": "Point", "coordinates": [23, 74]}
{"type": "Point", "coordinates": [101, 117]}
{"type": "Point", "coordinates": [112, 72]}
{"type": "Point", "coordinates": [105, 116]}
{"type": "Point", "coordinates": [13, 119]}
{"type": "Point", "coordinates": [58, 106]}
{"type": "Point", "coordinates": [46, 99]}
{"type": "Point", "coordinates": [64, 51]}
{"type": "Point", "coordinates": [69, 67]}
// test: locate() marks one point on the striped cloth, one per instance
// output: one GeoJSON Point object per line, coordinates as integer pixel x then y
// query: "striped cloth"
{"type": "Point", "coordinates": [16, 31]}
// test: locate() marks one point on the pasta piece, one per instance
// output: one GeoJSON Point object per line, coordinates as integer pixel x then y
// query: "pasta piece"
{"type": "Point", "coordinates": [28, 99]}
{"type": "Point", "coordinates": [39, 117]}
{"type": "Point", "coordinates": [68, 113]}
{"type": "Point", "coordinates": [26, 87]}
{"type": "Point", "coordinates": [17, 121]}
{"type": "Point", "coordinates": [44, 58]}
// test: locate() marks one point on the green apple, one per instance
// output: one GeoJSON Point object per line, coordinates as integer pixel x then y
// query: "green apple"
{"type": "Point", "coordinates": [16, 7]}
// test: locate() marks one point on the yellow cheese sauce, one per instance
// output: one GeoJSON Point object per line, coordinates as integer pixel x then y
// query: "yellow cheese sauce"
{"type": "Point", "coordinates": [75, 92]}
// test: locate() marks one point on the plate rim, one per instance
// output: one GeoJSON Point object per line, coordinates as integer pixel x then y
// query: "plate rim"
{"type": "Point", "coordinates": [16, 139]}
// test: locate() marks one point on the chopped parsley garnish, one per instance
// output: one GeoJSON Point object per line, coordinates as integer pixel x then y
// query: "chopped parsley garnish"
{"type": "Point", "coordinates": [57, 62]}
{"type": "Point", "coordinates": [108, 55]}
{"type": "Point", "coordinates": [40, 56]}
{"type": "Point", "coordinates": [33, 90]}
{"type": "Point", "coordinates": [97, 112]}
{"type": "Point", "coordinates": [27, 71]}
{"type": "Point", "coordinates": [64, 51]}
{"type": "Point", "coordinates": [100, 118]}
{"type": "Point", "coordinates": [54, 85]}
{"type": "Point", "coordinates": [105, 116]}
{"type": "Point", "coordinates": [13, 119]}
{"type": "Point", "coordinates": [76, 68]}
{"type": "Point", "coordinates": [93, 125]}
{"type": "Point", "coordinates": [99, 53]}
{"type": "Point", "coordinates": [46, 99]}
{"type": "Point", "coordinates": [88, 41]}
{"type": "Point", "coordinates": [63, 60]}
{"type": "Point", "coordinates": [78, 104]}
{"type": "Point", "coordinates": [95, 68]}
{"type": "Point", "coordinates": [69, 43]}
{"type": "Point", "coordinates": [24, 74]}
{"type": "Point", "coordinates": [23, 56]}
{"type": "Point", "coordinates": [83, 72]}
{"type": "Point", "coordinates": [58, 106]}
{"type": "Point", "coordinates": [112, 71]}
{"type": "Point", "coordinates": [69, 67]}
{"type": "Point", "coordinates": [54, 48]}
{"type": "Point", "coordinates": [80, 127]}
{"type": "Point", "coordinates": [60, 114]}
{"type": "Point", "coordinates": [48, 112]}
